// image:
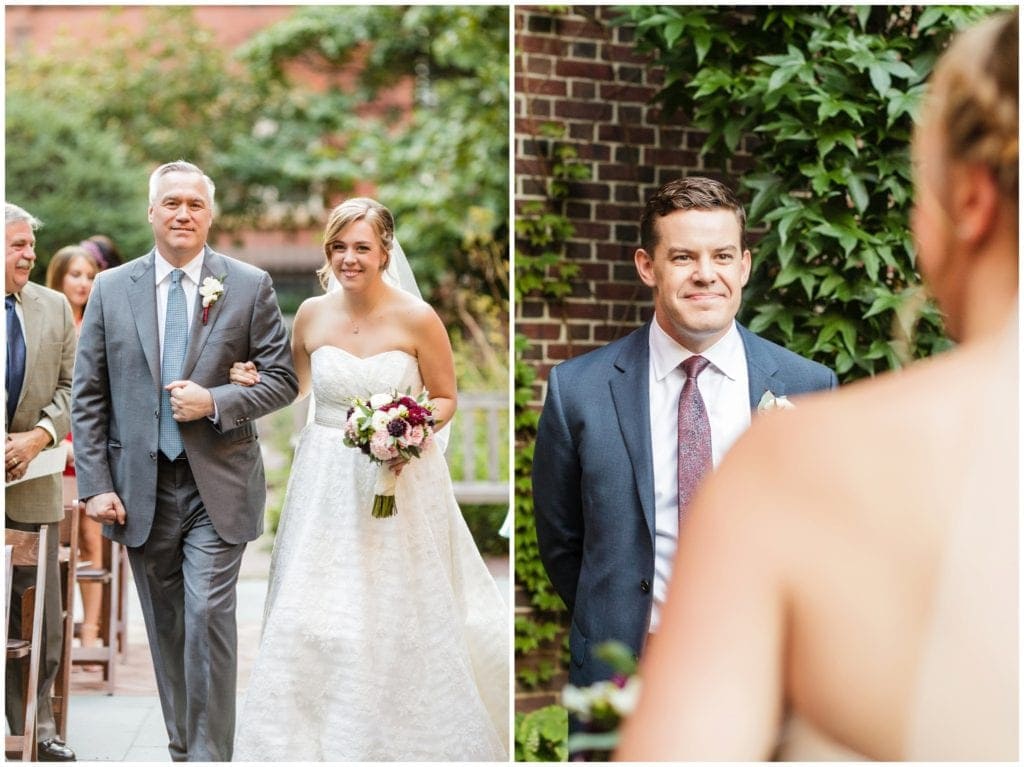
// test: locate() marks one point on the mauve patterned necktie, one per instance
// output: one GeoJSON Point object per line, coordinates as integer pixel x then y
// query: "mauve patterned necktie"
{"type": "Point", "coordinates": [694, 434]}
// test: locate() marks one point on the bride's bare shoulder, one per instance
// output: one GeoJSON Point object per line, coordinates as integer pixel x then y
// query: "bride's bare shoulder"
{"type": "Point", "coordinates": [854, 448]}
{"type": "Point", "coordinates": [411, 310]}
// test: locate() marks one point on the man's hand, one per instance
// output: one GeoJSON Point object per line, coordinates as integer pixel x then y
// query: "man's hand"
{"type": "Point", "coordinates": [190, 401]}
{"type": "Point", "coordinates": [106, 508]}
{"type": "Point", "coordinates": [21, 448]}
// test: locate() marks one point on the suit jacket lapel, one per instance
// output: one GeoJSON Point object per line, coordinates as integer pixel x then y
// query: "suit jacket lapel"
{"type": "Point", "coordinates": [31, 329]}
{"type": "Point", "coordinates": [629, 387]}
{"type": "Point", "coordinates": [142, 299]}
{"type": "Point", "coordinates": [761, 368]}
{"type": "Point", "coordinates": [199, 333]}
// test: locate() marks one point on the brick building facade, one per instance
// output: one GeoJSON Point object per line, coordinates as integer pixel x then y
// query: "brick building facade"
{"type": "Point", "coordinates": [580, 71]}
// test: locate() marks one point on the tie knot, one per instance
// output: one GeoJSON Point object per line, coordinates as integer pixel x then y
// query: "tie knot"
{"type": "Point", "coordinates": [176, 276]}
{"type": "Point", "coordinates": [693, 366]}
{"type": "Point", "coordinates": [9, 302]}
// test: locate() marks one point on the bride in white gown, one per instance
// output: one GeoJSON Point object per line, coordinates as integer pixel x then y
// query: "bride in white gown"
{"type": "Point", "coordinates": [383, 639]}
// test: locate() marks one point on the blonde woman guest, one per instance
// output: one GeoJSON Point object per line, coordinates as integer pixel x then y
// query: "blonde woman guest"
{"type": "Point", "coordinates": [862, 583]}
{"type": "Point", "coordinates": [71, 271]}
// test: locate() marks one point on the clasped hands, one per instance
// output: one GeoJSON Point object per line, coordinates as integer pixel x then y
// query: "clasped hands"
{"type": "Point", "coordinates": [189, 401]}
{"type": "Point", "coordinates": [20, 449]}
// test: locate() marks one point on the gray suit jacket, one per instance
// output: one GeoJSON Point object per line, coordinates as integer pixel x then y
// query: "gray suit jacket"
{"type": "Point", "coordinates": [593, 484]}
{"type": "Point", "coordinates": [49, 356]}
{"type": "Point", "coordinates": [116, 395]}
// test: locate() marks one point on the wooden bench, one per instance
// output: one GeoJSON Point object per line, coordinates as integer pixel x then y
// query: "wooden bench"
{"type": "Point", "coordinates": [479, 410]}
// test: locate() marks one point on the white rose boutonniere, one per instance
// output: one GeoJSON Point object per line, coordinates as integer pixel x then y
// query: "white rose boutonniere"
{"type": "Point", "coordinates": [770, 402]}
{"type": "Point", "coordinates": [211, 290]}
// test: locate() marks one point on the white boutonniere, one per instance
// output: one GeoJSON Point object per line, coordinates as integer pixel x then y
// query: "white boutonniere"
{"type": "Point", "coordinates": [770, 402]}
{"type": "Point", "coordinates": [211, 290]}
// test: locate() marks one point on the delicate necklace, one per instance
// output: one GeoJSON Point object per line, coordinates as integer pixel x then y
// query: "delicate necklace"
{"type": "Point", "coordinates": [355, 322]}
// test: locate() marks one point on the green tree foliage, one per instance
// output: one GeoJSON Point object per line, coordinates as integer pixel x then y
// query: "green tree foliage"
{"type": "Point", "coordinates": [84, 131]}
{"type": "Point", "coordinates": [78, 182]}
{"type": "Point", "coordinates": [442, 169]}
{"type": "Point", "coordinates": [829, 95]}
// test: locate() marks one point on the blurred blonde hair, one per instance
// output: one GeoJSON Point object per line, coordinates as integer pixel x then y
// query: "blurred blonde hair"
{"type": "Point", "coordinates": [357, 209]}
{"type": "Point", "coordinates": [976, 81]}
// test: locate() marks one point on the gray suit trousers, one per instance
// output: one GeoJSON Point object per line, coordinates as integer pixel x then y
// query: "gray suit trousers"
{"type": "Point", "coordinates": [53, 638]}
{"type": "Point", "coordinates": [186, 575]}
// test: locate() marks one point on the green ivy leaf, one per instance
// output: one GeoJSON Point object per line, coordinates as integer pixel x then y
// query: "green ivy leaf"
{"type": "Point", "coordinates": [858, 192]}
{"type": "Point", "coordinates": [880, 78]}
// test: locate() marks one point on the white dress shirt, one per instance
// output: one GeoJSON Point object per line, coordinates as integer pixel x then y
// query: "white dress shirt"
{"type": "Point", "coordinates": [724, 387]}
{"type": "Point", "coordinates": [189, 283]}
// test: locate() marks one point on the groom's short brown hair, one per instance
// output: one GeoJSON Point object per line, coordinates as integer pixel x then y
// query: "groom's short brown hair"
{"type": "Point", "coordinates": [691, 193]}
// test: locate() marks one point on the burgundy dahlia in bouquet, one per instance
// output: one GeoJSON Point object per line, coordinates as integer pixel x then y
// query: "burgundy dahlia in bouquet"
{"type": "Point", "coordinates": [385, 427]}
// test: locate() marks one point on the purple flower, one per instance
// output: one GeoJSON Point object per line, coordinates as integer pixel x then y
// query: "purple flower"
{"type": "Point", "coordinates": [396, 428]}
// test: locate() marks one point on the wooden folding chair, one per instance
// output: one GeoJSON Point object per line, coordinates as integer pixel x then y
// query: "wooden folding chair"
{"type": "Point", "coordinates": [68, 558]}
{"type": "Point", "coordinates": [29, 550]}
{"type": "Point", "coordinates": [8, 573]}
{"type": "Point", "coordinates": [109, 573]}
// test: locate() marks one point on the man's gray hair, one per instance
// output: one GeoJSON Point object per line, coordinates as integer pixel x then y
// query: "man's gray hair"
{"type": "Point", "coordinates": [13, 214]}
{"type": "Point", "coordinates": [178, 166]}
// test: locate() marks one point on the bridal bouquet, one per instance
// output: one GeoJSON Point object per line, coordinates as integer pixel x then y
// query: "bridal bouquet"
{"type": "Point", "coordinates": [388, 426]}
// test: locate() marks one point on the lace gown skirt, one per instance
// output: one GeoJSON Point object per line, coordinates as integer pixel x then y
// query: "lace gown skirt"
{"type": "Point", "coordinates": [383, 639]}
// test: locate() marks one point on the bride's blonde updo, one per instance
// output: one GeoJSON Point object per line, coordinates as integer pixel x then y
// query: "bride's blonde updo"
{"type": "Point", "coordinates": [357, 209]}
{"type": "Point", "coordinates": [976, 81]}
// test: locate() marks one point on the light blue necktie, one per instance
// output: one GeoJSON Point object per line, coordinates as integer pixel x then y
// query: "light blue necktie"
{"type": "Point", "coordinates": [175, 341]}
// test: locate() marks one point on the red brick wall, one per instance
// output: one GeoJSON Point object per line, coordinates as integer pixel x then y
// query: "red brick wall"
{"type": "Point", "coordinates": [577, 70]}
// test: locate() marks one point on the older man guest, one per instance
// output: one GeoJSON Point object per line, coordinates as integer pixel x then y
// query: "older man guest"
{"type": "Point", "coordinates": [628, 431]}
{"type": "Point", "coordinates": [40, 356]}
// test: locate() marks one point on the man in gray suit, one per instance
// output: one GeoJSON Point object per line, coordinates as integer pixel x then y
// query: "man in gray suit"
{"type": "Point", "coordinates": [628, 431]}
{"type": "Point", "coordinates": [166, 448]}
{"type": "Point", "coordinates": [40, 354]}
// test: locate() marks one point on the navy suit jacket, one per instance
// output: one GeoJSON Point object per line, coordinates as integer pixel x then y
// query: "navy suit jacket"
{"type": "Point", "coordinates": [593, 484]}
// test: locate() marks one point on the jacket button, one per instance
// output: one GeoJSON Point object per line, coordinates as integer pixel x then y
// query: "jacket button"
{"type": "Point", "coordinates": [156, 413]}
{"type": "Point", "coordinates": [645, 586]}
{"type": "Point", "coordinates": [152, 456]}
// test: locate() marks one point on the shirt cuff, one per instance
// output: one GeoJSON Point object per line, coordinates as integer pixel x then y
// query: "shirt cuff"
{"type": "Point", "coordinates": [215, 418]}
{"type": "Point", "coordinates": [46, 424]}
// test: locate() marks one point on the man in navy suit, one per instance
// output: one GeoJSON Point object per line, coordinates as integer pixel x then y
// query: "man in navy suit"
{"type": "Point", "coordinates": [627, 431]}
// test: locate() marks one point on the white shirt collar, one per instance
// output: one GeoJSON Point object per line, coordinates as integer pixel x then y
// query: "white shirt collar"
{"type": "Point", "coordinates": [193, 269]}
{"type": "Point", "coordinates": [727, 355]}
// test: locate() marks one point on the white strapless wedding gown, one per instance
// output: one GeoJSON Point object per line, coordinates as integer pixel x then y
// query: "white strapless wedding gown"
{"type": "Point", "coordinates": [383, 639]}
